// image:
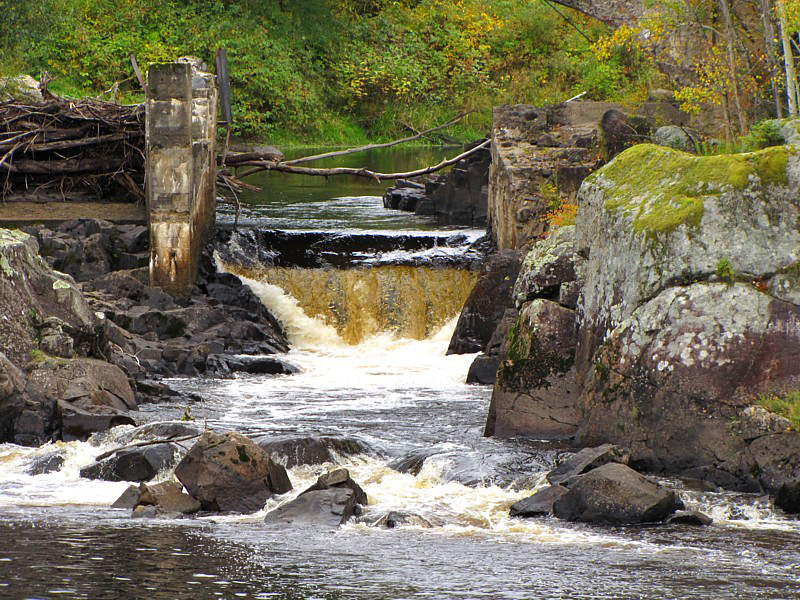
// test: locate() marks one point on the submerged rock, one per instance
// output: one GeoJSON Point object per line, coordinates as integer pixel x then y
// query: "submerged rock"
{"type": "Point", "coordinates": [229, 472]}
{"type": "Point", "coordinates": [395, 518]}
{"type": "Point", "coordinates": [617, 495]}
{"type": "Point", "coordinates": [255, 365]}
{"type": "Point", "coordinates": [292, 451]}
{"type": "Point", "coordinates": [48, 463]}
{"type": "Point", "coordinates": [690, 517]}
{"type": "Point", "coordinates": [133, 464]}
{"type": "Point", "coordinates": [587, 459]}
{"type": "Point", "coordinates": [541, 503]}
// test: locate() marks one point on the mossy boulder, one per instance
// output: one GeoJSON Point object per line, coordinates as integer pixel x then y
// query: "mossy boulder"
{"type": "Point", "coordinates": [656, 217]}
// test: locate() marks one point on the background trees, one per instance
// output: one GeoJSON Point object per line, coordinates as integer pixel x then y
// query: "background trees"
{"type": "Point", "coordinates": [342, 71]}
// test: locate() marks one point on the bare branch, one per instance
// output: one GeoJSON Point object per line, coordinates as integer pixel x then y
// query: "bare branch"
{"type": "Point", "coordinates": [360, 172]}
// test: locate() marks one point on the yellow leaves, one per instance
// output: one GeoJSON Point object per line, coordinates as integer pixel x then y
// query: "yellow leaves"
{"type": "Point", "coordinates": [563, 215]}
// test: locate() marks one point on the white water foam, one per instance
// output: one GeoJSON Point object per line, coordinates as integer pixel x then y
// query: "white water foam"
{"type": "Point", "coordinates": [60, 488]}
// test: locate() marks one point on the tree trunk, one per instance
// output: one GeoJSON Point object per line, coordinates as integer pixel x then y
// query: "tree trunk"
{"type": "Point", "coordinates": [788, 61]}
{"type": "Point", "coordinates": [769, 52]}
{"type": "Point", "coordinates": [730, 35]}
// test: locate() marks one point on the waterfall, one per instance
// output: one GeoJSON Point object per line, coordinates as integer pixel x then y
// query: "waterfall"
{"type": "Point", "coordinates": [352, 305]}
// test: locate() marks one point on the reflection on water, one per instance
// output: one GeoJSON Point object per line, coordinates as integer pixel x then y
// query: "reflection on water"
{"type": "Point", "coordinates": [334, 203]}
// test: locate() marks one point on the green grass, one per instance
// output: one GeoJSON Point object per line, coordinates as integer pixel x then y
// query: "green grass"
{"type": "Point", "coordinates": [37, 356]}
{"type": "Point", "coordinates": [786, 405]}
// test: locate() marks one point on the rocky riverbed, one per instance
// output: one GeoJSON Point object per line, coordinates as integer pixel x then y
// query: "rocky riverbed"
{"type": "Point", "coordinates": [84, 339]}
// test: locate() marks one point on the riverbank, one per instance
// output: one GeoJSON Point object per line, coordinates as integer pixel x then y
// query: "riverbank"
{"type": "Point", "coordinates": [95, 320]}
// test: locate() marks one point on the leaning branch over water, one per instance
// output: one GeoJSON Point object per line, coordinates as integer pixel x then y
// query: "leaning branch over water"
{"type": "Point", "coordinates": [360, 172]}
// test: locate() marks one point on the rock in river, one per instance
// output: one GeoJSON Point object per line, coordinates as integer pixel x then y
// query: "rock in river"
{"type": "Point", "coordinates": [330, 502]}
{"type": "Point", "coordinates": [616, 495]}
{"type": "Point", "coordinates": [229, 472]}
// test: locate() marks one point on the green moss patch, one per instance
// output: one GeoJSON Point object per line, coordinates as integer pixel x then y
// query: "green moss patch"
{"type": "Point", "coordinates": [664, 188]}
{"type": "Point", "coordinates": [786, 405]}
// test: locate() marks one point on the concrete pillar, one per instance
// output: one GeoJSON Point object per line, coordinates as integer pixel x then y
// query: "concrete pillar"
{"type": "Point", "coordinates": [181, 172]}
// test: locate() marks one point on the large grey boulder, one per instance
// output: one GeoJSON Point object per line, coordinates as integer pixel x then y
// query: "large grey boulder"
{"type": "Point", "coordinates": [674, 136]}
{"type": "Point", "coordinates": [689, 312]}
{"type": "Point", "coordinates": [229, 472]}
{"type": "Point", "coordinates": [656, 217]}
{"type": "Point", "coordinates": [617, 495]}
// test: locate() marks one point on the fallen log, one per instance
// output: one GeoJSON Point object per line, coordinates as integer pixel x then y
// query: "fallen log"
{"type": "Point", "coordinates": [67, 166]}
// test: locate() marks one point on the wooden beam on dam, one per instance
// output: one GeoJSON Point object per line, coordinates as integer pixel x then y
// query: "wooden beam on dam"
{"type": "Point", "coordinates": [181, 171]}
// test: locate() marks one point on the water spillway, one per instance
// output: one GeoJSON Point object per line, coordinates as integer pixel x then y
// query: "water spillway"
{"type": "Point", "coordinates": [361, 285]}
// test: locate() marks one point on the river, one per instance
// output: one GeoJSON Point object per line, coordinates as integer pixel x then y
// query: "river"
{"type": "Point", "coordinates": [397, 396]}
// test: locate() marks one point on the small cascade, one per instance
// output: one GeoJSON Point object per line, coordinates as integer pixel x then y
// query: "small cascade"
{"type": "Point", "coordinates": [410, 302]}
{"type": "Point", "coordinates": [324, 286]}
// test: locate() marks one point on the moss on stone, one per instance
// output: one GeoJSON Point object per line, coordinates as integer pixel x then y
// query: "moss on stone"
{"type": "Point", "coordinates": [529, 365]}
{"type": "Point", "coordinates": [663, 188]}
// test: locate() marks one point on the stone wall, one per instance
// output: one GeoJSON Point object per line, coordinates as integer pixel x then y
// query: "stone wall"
{"type": "Point", "coordinates": [540, 156]}
{"type": "Point", "coordinates": [181, 171]}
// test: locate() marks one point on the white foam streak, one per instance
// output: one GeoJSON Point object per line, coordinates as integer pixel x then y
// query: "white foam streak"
{"type": "Point", "coordinates": [59, 488]}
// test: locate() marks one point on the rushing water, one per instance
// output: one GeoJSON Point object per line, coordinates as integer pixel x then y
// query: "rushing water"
{"type": "Point", "coordinates": [60, 539]}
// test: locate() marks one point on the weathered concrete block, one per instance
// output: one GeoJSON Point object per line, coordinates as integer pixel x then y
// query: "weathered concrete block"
{"type": "Point", "coordinates": [181, 171]}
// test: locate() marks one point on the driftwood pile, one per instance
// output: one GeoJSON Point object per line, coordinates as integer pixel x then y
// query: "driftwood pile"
{"type": "Point", "coordinates": [62, 150]}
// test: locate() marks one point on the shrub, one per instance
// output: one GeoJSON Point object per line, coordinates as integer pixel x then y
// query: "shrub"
{"type": "Point", "coordinates": [724, 270]}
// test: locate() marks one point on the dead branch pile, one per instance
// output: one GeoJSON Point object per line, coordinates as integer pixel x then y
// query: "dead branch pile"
{"type": "Point", "coordinates": [79, 150]}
